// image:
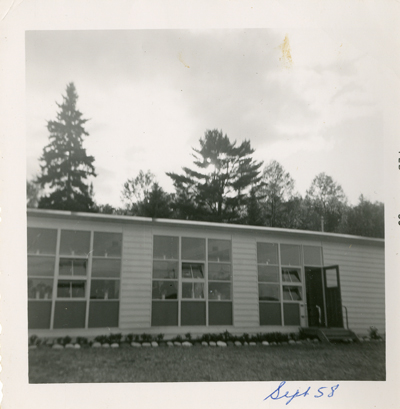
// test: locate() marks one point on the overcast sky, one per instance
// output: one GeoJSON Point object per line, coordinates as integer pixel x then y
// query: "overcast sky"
{"type": "Point", "coordinates": [151, 94]}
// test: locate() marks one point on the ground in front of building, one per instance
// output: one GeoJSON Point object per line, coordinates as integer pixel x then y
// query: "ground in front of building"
{"type": "Point", "coordinates": [351, 362]}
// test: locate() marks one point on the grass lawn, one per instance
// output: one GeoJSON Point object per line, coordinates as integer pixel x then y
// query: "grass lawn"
{"type": "Point", "coordinates": [364, 361]}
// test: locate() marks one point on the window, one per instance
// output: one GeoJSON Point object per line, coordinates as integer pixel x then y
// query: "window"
{"type": "Point", "coordinates": [74, 277]}
{"type": "Point", "coordinates": [312, 255]}
{"type": "Point", "coordinates": [72, 281]}
{"type": "Point", "coordinates": [269, 294]}
{"type": "Point", "coordinates": [105, 280]}
{"type": "Point", "coordinates": [219, 282]}
{"type": "Point", "coordinates": [292, 283]}
{"type": "Point", "coordinates": [192, 281]}
{"type": "Point", "coordinates": [165, 281]}
{"type": "Point", "coordinates": [41, 263]}
{"type": "Point", "coordinates": [280, 283]}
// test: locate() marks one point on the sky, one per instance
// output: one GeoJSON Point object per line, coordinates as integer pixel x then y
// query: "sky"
{"type": "Point", "coordinates": [302, 97]}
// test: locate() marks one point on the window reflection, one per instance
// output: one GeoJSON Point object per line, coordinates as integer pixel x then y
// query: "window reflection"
{"type": "Point", "coordinates": [292, 293]}
{"type": "Point", "coordinates": [292, 275]}
{"type": "Point", "coordinates": [193, 249]}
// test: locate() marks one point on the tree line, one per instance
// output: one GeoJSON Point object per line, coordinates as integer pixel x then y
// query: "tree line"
{"type": "Point", "coordinates": [224, 185]}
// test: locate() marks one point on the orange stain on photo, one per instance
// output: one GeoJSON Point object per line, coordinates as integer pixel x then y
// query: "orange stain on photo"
{"type": "Point", "coordinates": [286, 55]}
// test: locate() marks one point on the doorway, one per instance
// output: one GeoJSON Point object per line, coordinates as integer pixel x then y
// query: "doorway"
{"type": "Point", "coordinates": [315, 297]}
{"type": "Point", "coordinates": [324, 303]}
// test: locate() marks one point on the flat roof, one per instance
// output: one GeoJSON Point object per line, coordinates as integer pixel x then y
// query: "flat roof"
{"type": "Point", "coordinates": [101, 217]}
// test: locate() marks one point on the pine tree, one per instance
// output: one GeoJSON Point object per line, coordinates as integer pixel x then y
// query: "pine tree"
{"type": "Point", "coordinates": [217, 189]}
{"type": "Point", "coordinates": [65, 164]}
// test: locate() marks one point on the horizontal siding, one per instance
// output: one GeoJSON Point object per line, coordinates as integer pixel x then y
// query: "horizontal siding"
{"type": "Point", "coordinates": [135, 308]}
{"type": "Point", "coordinates": [245, 282]}
{"type": "Point", "coordinates": [362, 279]}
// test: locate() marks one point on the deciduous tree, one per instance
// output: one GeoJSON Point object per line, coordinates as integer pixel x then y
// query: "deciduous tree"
{"type": "Point", "coordinates": [276, 189]}
{"type": "Point", "coordinates": [325, 198]}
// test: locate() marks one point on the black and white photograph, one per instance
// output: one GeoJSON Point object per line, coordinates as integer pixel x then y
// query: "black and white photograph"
{"type": "Point", "coordinates": [205, 208]}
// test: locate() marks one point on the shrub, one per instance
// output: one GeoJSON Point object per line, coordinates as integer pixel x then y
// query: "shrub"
{"type": "Point", "coordinates": [129, 338]}
{"type": "Point", "coordinates": [206, 338]}
{"type": "Point", "coordinates": [82, 341]}
{"type": "Point", "coordinates": [159, 337]}
{"type": "Point", "coordinates": [102, 339]}
{"type": "Point", "coordinates": [373, 333]}
{"type": "Point", "coordinates": [115, 338]}
{"type": "Point", "coordinates": [146, 337]}
{"type": "Point", "coordinates": [64, 340]}
{"type": "Point", "coordinates": [227, 336]}
{"type": "Point", "coordinates": [33, 339]}
{"type": "Point", "coordinates": [178, 338]}
{"type": "Point", "coordinates": [188, 336]}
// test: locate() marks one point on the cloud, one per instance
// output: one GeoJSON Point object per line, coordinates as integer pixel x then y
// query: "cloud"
{"type": "Point", "coordinates": [147, 109]}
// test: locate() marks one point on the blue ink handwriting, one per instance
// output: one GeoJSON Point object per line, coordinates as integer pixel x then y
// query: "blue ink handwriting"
{"type": "Point", "coordinates": [279, 394]}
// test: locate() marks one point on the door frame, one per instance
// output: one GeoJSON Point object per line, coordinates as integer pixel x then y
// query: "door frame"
{"type": "Point", "coordinates": [339, 300]}
{"type": "Point", "coordinates": [324, 283]}
{"type": "Point", "coordinates": [306, 304]}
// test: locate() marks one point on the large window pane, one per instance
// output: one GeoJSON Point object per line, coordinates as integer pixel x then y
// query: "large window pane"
{"type": "Point", "coordinates": [312, 256]}
{"type": "Point", "coordinates": [220, 313]}
{"type": "Point", "coordinates": [270, 313]}
{"type": "Point", "coordinates": [165, 247]}
{"type": "Point", "coordinates": [267, 253]}
{"type": "Point", "coordinates": [164, 313]}
{"type": "Point", "coordinates": [103, 314]}
{"type": "Point", "coordinates": [40, 288]}
{"type": "Point", "coordinates": [102, 267]}
{"type": "Point", "coordinates": [75, 243]}
{"type": "Point", "coordinates": [107, 244]}
{"type": "Point", "coordinates": [290, 255]}
{"type": "Point", "coordinates": [104, 289]}
{"type": "Point", "coordinates": [219, 291]}
{"type": "Point", "coordinates": [41, 266]}
{"type": "Point", "coordinates": [292, 275]}
{"type": "Point", "coordinates": [268, 274]}
{"type": "Point", "coordinates": [268, 292]}
{"type": "Point", "coordinates": [193, 249]}
{"type": "Point", "coordinates": [193, 313]}
{"type": "Point", "coordinates": [167, 290]}
{"type": "Point", "coordinates": [71, 289]}
{"type": "Point", "coordinates": [39, 313]}
{"type": "Point", "coordinates": [192, 270]}
{"type": "Point", "coordinates": [42, 241]}
{"type": "Point", "coordinates": [70, 314]}
{"type": "Point", "coordinates": [72, 267]}
{"type": "Point", "coordinates": [165, 269]}
{"type": "Point", "coordinates": [331, 277]}
{"type": "Point", "coordinates": [291, 314]}
{"type": "Point", "coordinates": [193, 290]}
{"type": "Point", "coordinates": [292, 293]}
{"type": "Point", "coordinates": [219, 250]}
{"type": "Point", "coordinates": [219, 271]}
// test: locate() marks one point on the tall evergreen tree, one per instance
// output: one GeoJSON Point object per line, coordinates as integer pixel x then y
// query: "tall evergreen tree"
{"type": "Point", "coordinates": [217, 189]}
{"type": "Point", "coordinates": [65, 164]}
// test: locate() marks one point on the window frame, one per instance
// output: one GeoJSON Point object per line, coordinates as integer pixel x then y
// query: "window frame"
{"type": "Point", "coordinates": [58, 277]}
{"type": "Point", "coordinates": [205, 281]}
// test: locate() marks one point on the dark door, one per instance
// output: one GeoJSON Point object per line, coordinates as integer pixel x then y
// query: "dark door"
{"type": "Point", "coordinates": [315, 297]}
{"type": "Point", "coordinates": [333, 298]}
